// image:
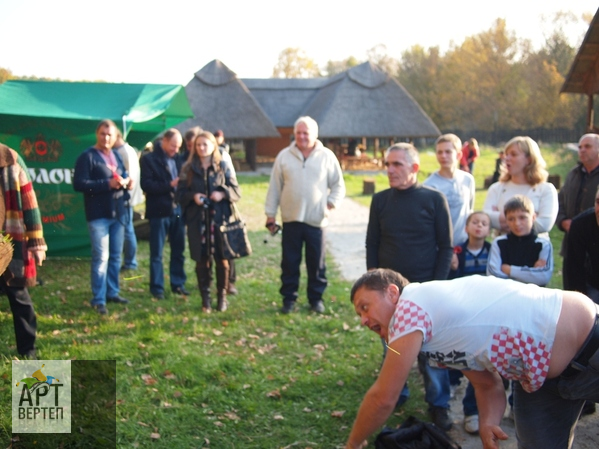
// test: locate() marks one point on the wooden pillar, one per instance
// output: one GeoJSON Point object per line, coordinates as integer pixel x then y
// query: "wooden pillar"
{"type": "Point", "coordinates": [368, 186]}
{"type": "Point", "coordinates": [250, 153]}
{"type": "Point", "coordinates": [590, 115]}
{"type": "Point", "coordinates": [376, 145]}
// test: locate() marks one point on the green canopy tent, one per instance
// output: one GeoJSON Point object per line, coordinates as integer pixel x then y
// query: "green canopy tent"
{"type": "Point", "coordinates": [51, 123]}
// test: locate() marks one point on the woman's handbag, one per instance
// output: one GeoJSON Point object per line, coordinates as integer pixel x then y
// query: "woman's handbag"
{"type": "Point", "coordinates": [235, 242]}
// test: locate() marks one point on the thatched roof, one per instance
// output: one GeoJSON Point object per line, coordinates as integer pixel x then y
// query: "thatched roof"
{"type": "Point", "coordinates": [583, 77]}
{"type": "Point", "coordinates": [219, 100]}
{"type": "Point", "coordinates": [363, 101]}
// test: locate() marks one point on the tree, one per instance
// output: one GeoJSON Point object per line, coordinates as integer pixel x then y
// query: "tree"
{"type": "Point", "coordinates": [335, 67]}
{"type": "Point", "coordinates": [5, 75]}
{"type": "Point", "coordinates": [379, 56]}
{"type": "Point", "coordinates": [294, 63]}
{"type": "Point", "coordinates": [419, 72]}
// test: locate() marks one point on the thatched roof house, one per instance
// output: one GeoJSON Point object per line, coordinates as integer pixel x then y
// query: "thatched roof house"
{"type": "Point", "coordinates": [363, 102]}
{"type": "Point", "coordinates": [219, 100]}
{"type": "Point", "coordinates": [583, 77]}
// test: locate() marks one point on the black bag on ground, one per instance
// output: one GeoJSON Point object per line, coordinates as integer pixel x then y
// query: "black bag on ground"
{"type": "Point", "coordinates": [235, 242]}
{"type": "Point", "coordinates": [414, 434]}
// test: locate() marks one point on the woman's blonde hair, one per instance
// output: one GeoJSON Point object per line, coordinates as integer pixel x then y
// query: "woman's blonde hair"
{"type": "Point", "coordinates": [186, 172]}
{"type": "Point", "coordinates": [216, 156]}
{"type": "Point", "coordinates": [534, 172]}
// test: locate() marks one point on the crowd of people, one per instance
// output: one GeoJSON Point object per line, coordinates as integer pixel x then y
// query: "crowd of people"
{"type": "Point", "coordinates": [438, 292]}
{"type": "Point", "coordinates": [436, 289]}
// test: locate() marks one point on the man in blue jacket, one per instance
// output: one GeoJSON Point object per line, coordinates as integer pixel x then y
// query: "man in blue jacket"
{"type": "Point", "coordinates": [159, 178]}
{"type": "Point", "coordinates": [101, 176]}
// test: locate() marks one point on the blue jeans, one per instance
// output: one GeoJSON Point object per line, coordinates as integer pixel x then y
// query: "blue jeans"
{"type": "Point", "coordinates": [106, 235]}
{"type": "Point", "coordinates": [130, 244]}
{"type": "Point", "coordinates": [295, 235]}
{"type": "Point", "coordinates": [174, 227]}
{"type": "Point", "coordinates": [547, 418]}
{"type": "Point", "coordinates": [436, 383]}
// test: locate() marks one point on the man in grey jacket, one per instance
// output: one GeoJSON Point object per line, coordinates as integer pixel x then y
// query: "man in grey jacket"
{"type": "Point", "coordinates": [306, 182]}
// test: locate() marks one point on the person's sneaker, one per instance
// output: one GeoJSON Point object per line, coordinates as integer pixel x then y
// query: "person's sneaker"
{"type": "Point", "coordinates": [440, 417]}
{"type": "Point", "coordinates": [180, 291]}
{"type": "Point", "coordinates": [317, 307]}
{"type": "Point", "coordinates": [287, 308]}
{"type": "Point", "coordinates": [118, 300]}
{"type": "Point", "coordinates": [232, 290]}
{"type": "Point", "coordinates": [471, 424]}
{"type": "Point", "coordinates": [158, 296]}
{"type": "Point", "coordinates": [100, 308]}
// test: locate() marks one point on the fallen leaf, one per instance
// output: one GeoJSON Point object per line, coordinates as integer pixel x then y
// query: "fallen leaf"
{"type": "Point", "coordinates": [154, 435]}
{"type": "Point", "coordinates": [346, 327]}
{"type": "Point", "coordinates": [246, 386]}
{"type": "Point", "coordinates": [130, 325]}
{"type": "Point", "coordinates": [340, 383]}
{"type": "Point", "coordinates": [167, 404]}
{"type": "Point", "coordinates": [278, 417]}
{"type": "Point", "coordinates": [143, 424]}
{"type": "Point", "coordinates": [232, 416]}
{"type": "Point", "coordinates": [274, 394]}
{"type": "Point", "coordinates": [338, 414]}
{"type": "Point", "coordinates": [218, 424]}
{"type": "Point", "coordinates": [148, 379]}
{"type": "Point", "coordinates": [177, 394]}
{"type": "Point", "coordinates": [217, 332]}
{"type": "Point", "coordinates": [56, 332]}
{"type": "Point", "coordinates": [307, 410]}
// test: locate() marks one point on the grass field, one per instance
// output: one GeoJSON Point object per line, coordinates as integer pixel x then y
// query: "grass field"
{"type": "Point", "coordinates": [246, 378]}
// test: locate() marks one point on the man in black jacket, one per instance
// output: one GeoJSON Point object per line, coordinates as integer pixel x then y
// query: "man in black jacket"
{"type": "Point", "coordinates": [583, 252]}
{"type": "Point", "coordinates": [159, 179]}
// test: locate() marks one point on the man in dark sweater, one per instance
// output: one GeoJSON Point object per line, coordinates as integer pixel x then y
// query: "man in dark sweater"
{"type": "Point", "coordinates": [578, 192]}
{"type": "Point", "coordinates": [583, 252]}
{"type": "Point", "coordinates": [409, 231]}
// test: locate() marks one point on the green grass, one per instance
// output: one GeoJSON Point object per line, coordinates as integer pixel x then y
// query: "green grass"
{"type": "Point", "coordinates": [246, 378]}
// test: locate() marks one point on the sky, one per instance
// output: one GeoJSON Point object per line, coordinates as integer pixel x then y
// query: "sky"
{"type": "Point", "coordinates": [166, 42]}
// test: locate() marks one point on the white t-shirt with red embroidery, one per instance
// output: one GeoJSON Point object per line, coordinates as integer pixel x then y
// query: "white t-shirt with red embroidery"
{"type": "Point", "coordinates": [482, 323]}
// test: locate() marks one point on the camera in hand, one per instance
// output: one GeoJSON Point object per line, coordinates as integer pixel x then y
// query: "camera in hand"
{"type": "Point", "coordinates": [274, 228]}
{"type": "Point", "coordinates": [206, 202]}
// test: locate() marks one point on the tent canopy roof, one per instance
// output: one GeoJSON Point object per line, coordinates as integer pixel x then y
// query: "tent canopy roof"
{"type": "Point", "coordinates": [142, 110]}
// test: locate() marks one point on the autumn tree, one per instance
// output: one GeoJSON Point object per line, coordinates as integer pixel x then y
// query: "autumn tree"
{"type": "Point", "coordinates": [419, 72]}
{"type": "Point", "coordinates": [335, 67]}
{"type": "Point", "coordinates": [379, 56]}
{"type": "Point", "coordinates": [294, 63]}
{"type": "Point", "coordinates": [5, 75]}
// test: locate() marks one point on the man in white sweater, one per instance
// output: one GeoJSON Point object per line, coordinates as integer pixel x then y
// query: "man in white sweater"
{"type": "Point", "coordinates": [306, 182]}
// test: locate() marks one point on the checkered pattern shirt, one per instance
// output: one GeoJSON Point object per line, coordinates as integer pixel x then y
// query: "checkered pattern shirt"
{"type": "Point", "coordinates": [482, 323]}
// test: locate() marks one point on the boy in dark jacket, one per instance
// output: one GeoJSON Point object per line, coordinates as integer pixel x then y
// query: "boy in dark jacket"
{"type": "Point", "coordinates": [521, 254]}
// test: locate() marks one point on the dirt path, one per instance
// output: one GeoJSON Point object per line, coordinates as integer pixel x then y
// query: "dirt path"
{"type": "Point", "coordinates": [346, 236]}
